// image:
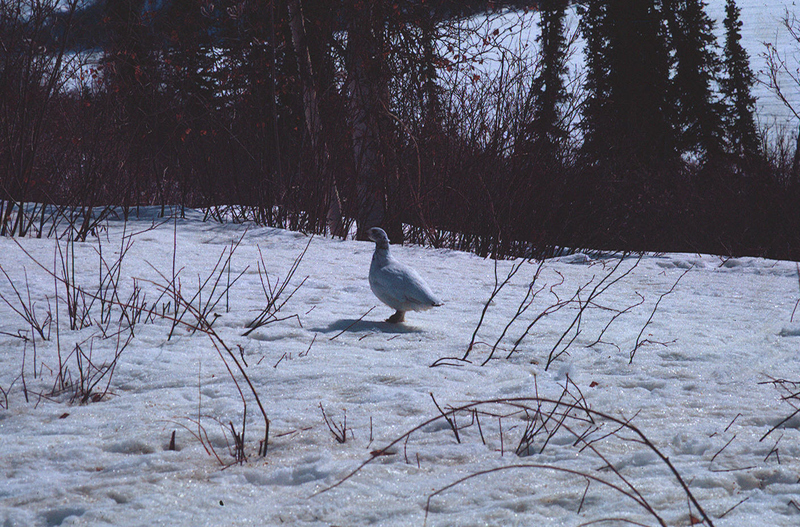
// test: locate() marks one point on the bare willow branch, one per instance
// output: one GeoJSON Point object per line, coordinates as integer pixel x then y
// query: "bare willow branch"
{"type": "Point", "coordinates": [639, 341]}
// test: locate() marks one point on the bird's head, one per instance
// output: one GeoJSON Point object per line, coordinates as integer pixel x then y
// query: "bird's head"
{"type": "Point", "coordinates": [378, 235]}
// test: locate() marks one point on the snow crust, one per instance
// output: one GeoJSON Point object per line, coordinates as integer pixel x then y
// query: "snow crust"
{"type": "Point", "coordinates": [702, 388]}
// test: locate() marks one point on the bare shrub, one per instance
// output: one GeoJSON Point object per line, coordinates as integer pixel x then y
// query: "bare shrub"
{"type": "Point", "coordinates": [790, 394]}
{"type": "Point", "coordinates": [565, 423]}
{"type": "Point", "coordinates": [236, 366]}
{"type": "Point", "coordinates": [31, 77]}
{"type": "Point", "coordinates": [338, 430]}
{"type": "Point", "coordinates": [80, 373]}
{"type": "Point", "coordinates": [83, 376]}
{"type": "Point", "coordinates": [25, 307]}
{"type": "Point", "coordinates": [274, 292]}
{"type": "Point", "coordinates": [585, 298]}
{"type": "Point", "coordinates": [219, 281]}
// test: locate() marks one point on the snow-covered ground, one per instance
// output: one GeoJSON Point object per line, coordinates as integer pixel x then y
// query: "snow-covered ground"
{"type": "Point", "coordinates": [703, 388]}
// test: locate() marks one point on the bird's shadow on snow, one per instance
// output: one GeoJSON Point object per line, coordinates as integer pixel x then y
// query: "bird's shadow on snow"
{"type": "Point", "coordinates": [355, 325]}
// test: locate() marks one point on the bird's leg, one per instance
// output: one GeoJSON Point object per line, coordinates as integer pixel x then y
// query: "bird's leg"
{"type": "Point", "coordinates": [399, 316]}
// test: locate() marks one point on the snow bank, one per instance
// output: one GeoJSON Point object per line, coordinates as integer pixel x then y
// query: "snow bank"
{"type": "Point", "coordinates": [715, 367]}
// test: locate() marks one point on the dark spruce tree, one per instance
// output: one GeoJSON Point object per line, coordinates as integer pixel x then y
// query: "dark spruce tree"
{"type": "Point", "coordinates": [189, 49]}
{"type": "Point", "coordinates": [627, 120]}
{"type": "Point", "coordinates": [541, 154]}
{"type": "Point", "coordinates": [127, 70]}
{"type": "Point", "coordinates": [593, 21]}
{"type": "Point", "coordinates": [629, 153]}
{"type": "Point", "coordinates": [736, 85]}
{"type": "Point", "coordinates": [546, 133]}
{"type": "Point", "coordinates": [696, 66]}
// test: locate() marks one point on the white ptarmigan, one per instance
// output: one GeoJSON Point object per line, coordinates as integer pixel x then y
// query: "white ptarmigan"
{"type": "Point", "coordinates": [395, 284]}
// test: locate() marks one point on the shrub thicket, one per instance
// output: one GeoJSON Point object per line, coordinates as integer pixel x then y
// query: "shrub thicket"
{"type": "Point", "coordinates": [426, 117]}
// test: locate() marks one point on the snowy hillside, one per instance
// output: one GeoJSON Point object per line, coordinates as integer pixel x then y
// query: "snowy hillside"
{"type": "Point", "coordinates": [714, 376]}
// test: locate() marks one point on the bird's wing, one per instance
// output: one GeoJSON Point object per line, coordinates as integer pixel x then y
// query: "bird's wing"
{"type": "Point", "coordinates": [387, 284]}
{"type": "Point", "coordinates": [407, 285]}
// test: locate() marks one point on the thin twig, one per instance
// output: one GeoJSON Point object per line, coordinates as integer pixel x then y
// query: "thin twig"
{"type": "Point", "coordinates": [653, 313]}
{"type": "Point", "coordinates": [353, 323]}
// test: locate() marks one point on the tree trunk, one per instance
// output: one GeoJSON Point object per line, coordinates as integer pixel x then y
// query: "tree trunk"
{"type": "Point", "coordinates": [313, 119]}
{"type": "Point", "coordinates": [796, 161]}
{"type": "Point", "coordinates": [368, 95]}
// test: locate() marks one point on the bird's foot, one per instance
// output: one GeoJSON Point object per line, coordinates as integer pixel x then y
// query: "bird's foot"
{"type": "Point", "coordinates": [398, 317]}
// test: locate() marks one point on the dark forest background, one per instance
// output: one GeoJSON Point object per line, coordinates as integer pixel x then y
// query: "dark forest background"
{"type": "Point", "coordinates": [318, 115]}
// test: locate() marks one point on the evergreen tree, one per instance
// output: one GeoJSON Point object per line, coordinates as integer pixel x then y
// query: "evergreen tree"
{"type": "Point", "coordinates": [593, 17]}
{"type": "Point", "coordinates": [626, 119]}
{"type": "Point", "coordinates": [628, 159]}
{"type": "Point", "coordinates": [699, 115]}
{"type": "Point", "coordinates": [539, 176]}
{"type": "Point", "coordinates": [189, 49]}
{"type": "Point", "coordinates": [546, 134]}
{"type": "Point", "coordinates": [736, 86]}
{"type": "Point", "coordinates": [127, 68]}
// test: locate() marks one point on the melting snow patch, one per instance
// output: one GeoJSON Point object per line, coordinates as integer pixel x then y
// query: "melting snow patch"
{"type": "Point", "coordinates": [690, 444]}
{"type": "Point", "coordinates": [677, 262]}
{"type": "Point", "coordinates": [57, 516]}
{"type": "Point", "coordinates": [577, 258]}
{"type": "Point", "coordinates": [639, 459]}
{"type": "Point", "coordinates": [130, 446]}
{"type": "Point", "coordinates": [790, 330]}
{"type": "Point", "coordinates": [290, 476]}
{"type": "Point", "coordinates": [761, 478]}
{"type": "Point", "coordinates": [564, 371]}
